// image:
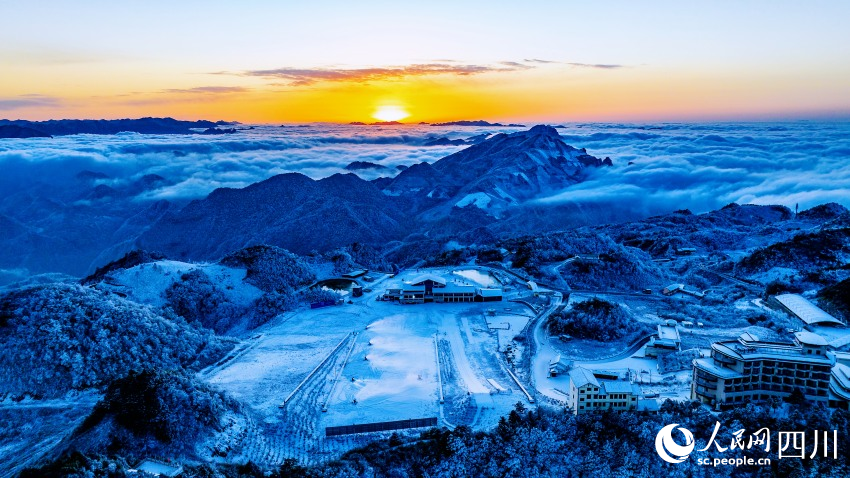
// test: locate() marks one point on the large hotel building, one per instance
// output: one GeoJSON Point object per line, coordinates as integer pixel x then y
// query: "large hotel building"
{"type": "Point", "coordinates": [748, 369]}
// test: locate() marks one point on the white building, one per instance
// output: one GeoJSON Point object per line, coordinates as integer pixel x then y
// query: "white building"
{"type": "Point", "coordinates": [588, 394]}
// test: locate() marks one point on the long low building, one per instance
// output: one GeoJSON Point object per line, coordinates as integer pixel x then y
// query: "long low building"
{"type": "Point", "coordinates": [433, 288]}
{"type": "Point", "coordinates": [805, 310]}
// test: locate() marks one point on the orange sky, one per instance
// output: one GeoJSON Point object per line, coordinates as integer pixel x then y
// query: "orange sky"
{"type": "Point", "coordinates": [261, 62]}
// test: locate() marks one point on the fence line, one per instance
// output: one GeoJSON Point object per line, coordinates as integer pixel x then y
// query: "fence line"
{"type": "Point", "coordinates": [380, 426]}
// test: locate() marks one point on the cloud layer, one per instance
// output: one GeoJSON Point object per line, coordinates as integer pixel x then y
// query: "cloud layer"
{"type": "Point", "coordinates": [673, 166]}
{"type": "Point", "coordinates": [706, 166]}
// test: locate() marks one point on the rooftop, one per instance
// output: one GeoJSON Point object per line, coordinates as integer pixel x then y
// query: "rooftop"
{"type": "Point", "coordinates": [805, 309]}
{"type": "Point", "coordinates": [581, 376]}
{"type": "Point", "coordinates": [489, 292]}
{"type": "Point", "coordinates": [453, 288]}
{"type": "Point", "coordinates": [709, 366]}
{"type": "Point", "coordinates": [765, 350]}
{"type": "Point", "coordinates": [428, 277]}
{"type": "Point", "coordinates": [620, 387]}
{"type": "Point", "coordinates": [807, 338]}
{"type": "Point", "coordinates": [666, 332]}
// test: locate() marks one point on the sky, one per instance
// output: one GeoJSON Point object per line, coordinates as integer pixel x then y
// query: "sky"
{"type": "Point", "coordinates": [276, 61]}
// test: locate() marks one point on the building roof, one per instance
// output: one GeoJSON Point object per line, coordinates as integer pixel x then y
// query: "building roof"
{"type": "Point", "coordinates": [709, 366]}
{"type": "Point", "coordinates": [766, 350]}
{"type": "Point", "coordinates": [428, 277]}
{"type": "Point", "coordinates": [675, 287]}
{"type": "Point", "coordinates": [532, 285]}
{"type": "Point", "coordinates": [489, 292]}
{"type": "Point", "coordinates": [454, 288]}
{"type": "Point", "coordinates": [807, 338]}
{"type": "Point", "coordinates": [414, 288]}
{"type": "Point", "coordinates": [840, 379]}
{"type": "Point", "coordinates": [619, 387]}
{"type": "Point", "coordinates": [355, 273]}
{"type": "Point", "coordinates": [666, 332]}
{"type": "Point", "coordinates": [560, 364]}
{"type": "Point", "coordinates": [581, 376]}
{"type": "Point", "coordinates": [805, 310]}
{"type": "Point", "coordinates": [748, 337]}
{"type": "Point", "coordinates": [838, 356]}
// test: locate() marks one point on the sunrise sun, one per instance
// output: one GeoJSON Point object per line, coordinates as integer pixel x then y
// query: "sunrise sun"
{"type": "Point", "coordinates": [390, 113]}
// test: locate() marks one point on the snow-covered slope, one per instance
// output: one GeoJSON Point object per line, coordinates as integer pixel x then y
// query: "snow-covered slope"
{"type": "Point", "coordinates": [147, 283]}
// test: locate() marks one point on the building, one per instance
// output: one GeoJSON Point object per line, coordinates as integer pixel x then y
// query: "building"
{"type": "Point", "coordinates": [748, 369]}
{"type": "Point", "coordinates": [686, 251]}
{"type": "Point", "coordinates": [667, 340]}
{"type": "Point", "coordinates": [839, 383]}
{"type": "Point", "coordinates": [453, 292]}
{"type": "Point", "coordinates": [802, 308]}
{"type": "Point", "coordinates": [411, 294]}
{"type": "Point", "coordinates": [587, 393]}
{"type": "Point", "coordinates": [559, 366]}
{"type": "Point", "coordinates": [673, 289]}
{"type": "Point", "coordinates": [432, 288]}
{"type": "Point", "coordinates": [488, 295]}
{"type": "Point", "coordinates": [394, 292]}
{"type": "Point", "coordinates": [354, 274]}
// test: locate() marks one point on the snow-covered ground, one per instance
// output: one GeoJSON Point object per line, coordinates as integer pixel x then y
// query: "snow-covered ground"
{"type": "Point", "coordinates": [32, 429]}
{"type": "Point", "coordinates": [392, 373]}
{"type": "Point", "coordinates": [147, 283]}
{"type": "Point", "coordinates": [370, 361]}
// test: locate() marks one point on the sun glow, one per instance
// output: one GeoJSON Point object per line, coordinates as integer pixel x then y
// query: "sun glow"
{"type": "Point", "coordinates": [390, 113]}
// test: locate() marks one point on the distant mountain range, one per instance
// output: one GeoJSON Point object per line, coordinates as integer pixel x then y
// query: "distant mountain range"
{"type": "Point", "coordinates": [477, 123]}
{"type": "Point", "coordinates": [30, 129]}
{"type": "Point", "coordinates": [473, 188]}
{"type": "Point", "coordinates": [17, 131]}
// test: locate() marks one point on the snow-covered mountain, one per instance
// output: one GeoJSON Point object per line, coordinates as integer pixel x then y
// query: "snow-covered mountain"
{"type": "Point", "coordinates": [302, 215]}
{"type": "Point", "coordinates": [503, 171]}
{"type": "Point", "coordinates": [288, 210]}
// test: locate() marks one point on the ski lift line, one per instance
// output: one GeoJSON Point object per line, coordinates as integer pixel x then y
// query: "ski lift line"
{"type": "Point", "coordinates": [439, 374]}
{"type": "Point", "coordinates": [339, 372]}
{"type": "Point", "coordinates": [313, 372]}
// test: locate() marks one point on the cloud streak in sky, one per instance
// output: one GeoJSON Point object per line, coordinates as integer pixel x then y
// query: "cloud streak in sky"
{"type": "Point", "coordinates": [28, 101]}
{"type": "Point", "coordinates": [209, 90]}
{"type": "Point", "coordinates": [310, 76]}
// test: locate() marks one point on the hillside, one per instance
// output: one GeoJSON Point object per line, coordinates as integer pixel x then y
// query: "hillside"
{"type": "Point", "coordinates": [70, 337]}
{"type": "Point", "coordinates": [290, 211]}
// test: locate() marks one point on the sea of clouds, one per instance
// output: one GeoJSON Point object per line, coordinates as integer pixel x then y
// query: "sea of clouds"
{"type": "Point", "coordinates": [657, 167]}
